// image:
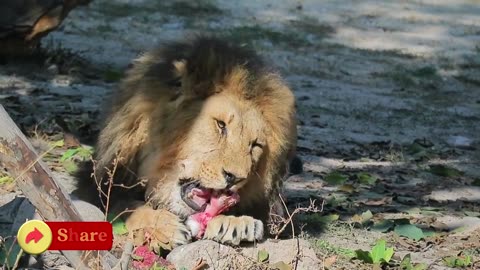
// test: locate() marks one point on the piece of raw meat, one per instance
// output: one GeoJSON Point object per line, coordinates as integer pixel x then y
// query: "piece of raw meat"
{"type": "Point", "coordinates": [218, 204]}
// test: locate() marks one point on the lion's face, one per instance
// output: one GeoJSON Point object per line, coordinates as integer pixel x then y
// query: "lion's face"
{"type": "Point", "coordinates": [224, 151]}
{"type": "Point", "coordinates": [230, 134]}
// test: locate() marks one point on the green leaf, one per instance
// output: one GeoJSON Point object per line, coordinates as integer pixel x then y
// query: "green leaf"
{"type": "Point", "coordinates": [406, 263]}
{"type": "Point", "coordinates": [363, 256]}
{"type": "Point", "coordinates": [85, 152]}
{"type": "Point", "coordinates": [401, 221]}
{"type": "Point", "coordinates": [59, 143]}
{"type": "Point", "coordinates": [262, 256]}
{"type": "Point", "coordinates": [69, 154]}
{"type": "Point", "coordinates": [119, 227]}
{"type": "Point", "coordinates": [328, 218]}
{"type": "Point", "coordinates": [429, 233]}
{"type": "Point", "coordinates": [378, 251]}
{"type": "Point", "coordinates": [409, 230]}
{"type": "Point", "coordinates": [70, 166]}
{"type": "Point", "coordinates": [6, 180]}
{"type": "Point", "coordinates": [458, 261]}
{"type": "Point", "coordinates": [445, 171]}
{"type": "Point", "coordinates": [366, 216]}
{"type": "Point", "coordinates": [383, 226]}
{"type": "Point", "coordinates": [9, 251]}
{"type": "Point", "coordinates": [336, 178]}
{"type": "Point", "coordinates": [366, 178]}
{"type": "Point", "coordinates": [335, 200]}
{"type": "Point", "coordinates": [388, 254]}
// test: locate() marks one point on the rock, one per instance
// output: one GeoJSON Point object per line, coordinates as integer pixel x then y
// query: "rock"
{"type": "Point", "coordinates": [464, 225]}
{"type": "Point", "coordinates": [460, 193]}
{"type": "Point", "coordinates": [286, 251]}
{"type": "Point", "coordinates": [53, 69]}
{"type": "Point", "coordinates": [460, 142]}
{"type": "Point", "coordinates": [218, 256]}
{"type": "Point", "coordinates": [88, 211]}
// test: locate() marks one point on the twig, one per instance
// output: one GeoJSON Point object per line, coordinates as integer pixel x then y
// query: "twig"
{"type": "Point", "coordinates": [310, 209]}
{"type": "Point", "coordinates": [297, 256]}
{"type": "Point", "coordinates": [125, 258]}
{"type": "Point", "coordinates": [121, 213]}
{"type": "Point", "coordinates": [289, 217]}
{"type": "Point", "coordinates": [110, 174]}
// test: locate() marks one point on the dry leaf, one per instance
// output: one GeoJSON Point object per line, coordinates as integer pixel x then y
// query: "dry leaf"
{"type": "Point", "coordinates": [347, 188]}
{"type": "Point", "coordinates": [382, 201]}
{"type": "Point", "coordinates": [70, 140]}
{"type": "Point", "coordinates": [328, 262]}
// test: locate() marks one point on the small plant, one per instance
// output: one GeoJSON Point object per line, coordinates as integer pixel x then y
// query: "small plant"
{"type": "Point", "coordinates": [262, 256]}
{"type": "Point", "coordinates": [329, 248]}
{"type": "Point", "coordinates": [407, 264]}
{"type": "Point", "coordinates": [82, 152]}
{"type": "Point", "coordinates": [336, 178]}
{"type": "Point", "coordinates": [68, 158]}
{"type": "Point", "coordinates": [6, 179]}
{"type": "Point", "coordinates": [458, 261]}
{"type": "Point", "coordinates": [379, 254]}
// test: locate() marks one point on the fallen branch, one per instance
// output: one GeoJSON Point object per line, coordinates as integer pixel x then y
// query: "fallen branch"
{"type": "Point", "coordinates": [19, 159]}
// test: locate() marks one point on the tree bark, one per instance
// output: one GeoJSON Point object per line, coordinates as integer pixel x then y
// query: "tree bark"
{"type": "Point", "coordinates": [34, 179]}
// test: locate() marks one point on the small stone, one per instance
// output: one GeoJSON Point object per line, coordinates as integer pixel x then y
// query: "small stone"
{"type": "Point", "coordinates": [218, 256]}
{"type": "Point", "coordinates": [53, 69]}
{"type": "Point", "coordinates": [88, 211]}
{"type": "Point", "coordinates": [460, 141]}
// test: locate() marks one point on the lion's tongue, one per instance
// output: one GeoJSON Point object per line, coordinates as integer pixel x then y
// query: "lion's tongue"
{"type": "Point", "coordinates": [219, 203]}
{"type": "Point", "coordinates": [200, 196]}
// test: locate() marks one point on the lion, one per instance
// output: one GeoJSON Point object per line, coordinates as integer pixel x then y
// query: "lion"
{"type": "Point", "coordinates": [192, 119]}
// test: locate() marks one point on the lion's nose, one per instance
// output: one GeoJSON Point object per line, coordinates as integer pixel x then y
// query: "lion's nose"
{"type": "Point", "coordinates": [229, 177]}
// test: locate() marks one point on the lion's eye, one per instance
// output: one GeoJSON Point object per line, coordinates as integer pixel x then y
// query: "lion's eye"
{"type": "Point", "coordinates": [222, 126]}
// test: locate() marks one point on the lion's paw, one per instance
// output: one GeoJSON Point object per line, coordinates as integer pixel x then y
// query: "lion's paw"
{"type": "Point", "coordinates": [233, 230]}
{"type": "Point", "coordinates": [159, 227]}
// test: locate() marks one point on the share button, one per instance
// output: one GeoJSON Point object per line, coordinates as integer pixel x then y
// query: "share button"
{"type": "Point", "coordinates": [34, 237]}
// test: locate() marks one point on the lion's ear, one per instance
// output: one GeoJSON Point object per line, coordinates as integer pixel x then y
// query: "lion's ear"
{"type": "Point", "coordinates": [195, 82]}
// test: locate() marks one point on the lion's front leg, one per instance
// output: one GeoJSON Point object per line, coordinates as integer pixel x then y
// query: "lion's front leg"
{"type": "Point", "coordinates": [163, 227]}
{"type": "Point", "coordinates": [233, 230]}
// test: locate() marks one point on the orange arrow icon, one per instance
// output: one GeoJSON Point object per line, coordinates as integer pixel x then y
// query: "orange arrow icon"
{"type": "Point", "coordinates": [34, 235]}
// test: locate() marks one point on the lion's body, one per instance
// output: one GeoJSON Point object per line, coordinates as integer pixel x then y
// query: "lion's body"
{"type": "Point", "coordinates": [199, 110]}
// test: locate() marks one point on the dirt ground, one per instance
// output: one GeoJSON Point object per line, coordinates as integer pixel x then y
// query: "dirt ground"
{"type": "Point", "coordinates": [388, 100]}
